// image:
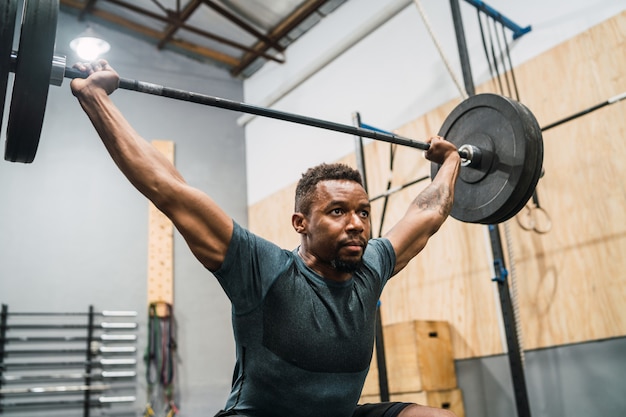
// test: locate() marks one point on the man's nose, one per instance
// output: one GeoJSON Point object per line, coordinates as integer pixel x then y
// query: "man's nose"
{"type": "Point", "coordinates": [356, 222]}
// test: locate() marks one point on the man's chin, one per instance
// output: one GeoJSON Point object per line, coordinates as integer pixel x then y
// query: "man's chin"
{"type": "Point", "coordinates": [344, 265]}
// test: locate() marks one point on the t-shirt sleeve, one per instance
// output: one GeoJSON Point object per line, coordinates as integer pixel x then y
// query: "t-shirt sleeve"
{"type": "Point", "coordinates": [250, 268]}
{"type": "Point", "coordinates": [381, 257]}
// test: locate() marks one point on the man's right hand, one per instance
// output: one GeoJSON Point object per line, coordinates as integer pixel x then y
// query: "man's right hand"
{"type": "Point", "coordinates": [440, 150]}
{"type": "Point", "coordinates": [101, 76]}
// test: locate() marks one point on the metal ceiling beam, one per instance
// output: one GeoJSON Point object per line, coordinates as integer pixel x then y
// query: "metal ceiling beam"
{"type": "Point", "coordinates": [87, 9]}
{"type": "Point", "coordinates": [280, 31]}
{"type": "Point", "coordinates": [182, 25]}
{"type": "Point", "coordinates": [153, 34]}
{"type": "Point", "coordinates": [181, 18]}
{"type": "Point", "coordinates": [242, 24]}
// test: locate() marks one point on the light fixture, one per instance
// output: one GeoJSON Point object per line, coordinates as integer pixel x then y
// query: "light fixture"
{"type": "Point", "coordinates": [89, 46]}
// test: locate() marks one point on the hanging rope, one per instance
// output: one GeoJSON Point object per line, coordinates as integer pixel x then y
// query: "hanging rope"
{"type": "Point", "coordinates": [494, 56]}
{"type": "Point", "coordinates": [445, 60]}
{"type": "Point", "coordinates": [505, 72]}
{"type": "Point", "coordinates": [508, 56]}
{"type": "Point", "coordinates": [485, 49]}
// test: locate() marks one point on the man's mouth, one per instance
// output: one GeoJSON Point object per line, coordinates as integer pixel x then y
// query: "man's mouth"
{"type": "Point", "coordinates": [354, 246]}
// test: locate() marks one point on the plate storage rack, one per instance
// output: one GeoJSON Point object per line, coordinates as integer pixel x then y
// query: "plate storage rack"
{"type": "Point", "coordinates": [68, 363]}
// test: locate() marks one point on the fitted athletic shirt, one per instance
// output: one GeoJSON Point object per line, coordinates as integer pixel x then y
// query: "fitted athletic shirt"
{"type": "Point", "coordinates": [304, 343]}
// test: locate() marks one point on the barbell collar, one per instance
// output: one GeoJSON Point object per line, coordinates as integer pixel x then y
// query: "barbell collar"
{"type": "Point", "coordinates": [473, 155]}
{"type": "Point", "coordinates": [58, 70]}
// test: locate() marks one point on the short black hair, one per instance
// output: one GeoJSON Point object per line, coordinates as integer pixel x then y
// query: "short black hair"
{"type": "Point", "coordinates": [305, 190]}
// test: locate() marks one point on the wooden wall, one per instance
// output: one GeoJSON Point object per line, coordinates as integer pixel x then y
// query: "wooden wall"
{"type": "Point", "coordinates": [572, 280]}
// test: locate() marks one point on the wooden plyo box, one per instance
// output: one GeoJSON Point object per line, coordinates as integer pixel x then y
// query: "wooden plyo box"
{"type": "Point", "coordinates": [419, 356]}
{"type": "Point", "coordinates": [451, 399]}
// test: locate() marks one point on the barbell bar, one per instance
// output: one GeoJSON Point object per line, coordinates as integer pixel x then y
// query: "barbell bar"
{"type": "Point", "coordinates": [212, 101]}
{"type": "Point", "coordinates": [498, 138]}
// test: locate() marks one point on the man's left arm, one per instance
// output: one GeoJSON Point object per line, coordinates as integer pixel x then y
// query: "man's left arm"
{"type": "Point", "coordinates": [430, 208]}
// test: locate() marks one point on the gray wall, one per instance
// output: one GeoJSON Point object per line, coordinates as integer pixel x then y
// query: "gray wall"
{"type": "Point", "coordinates": [583, 380]}
{"type": "Point", "coordinates": [74, 233]}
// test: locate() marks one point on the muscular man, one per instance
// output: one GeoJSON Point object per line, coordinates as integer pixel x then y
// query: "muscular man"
{"type": "Point", "coordinates": [304, 320]}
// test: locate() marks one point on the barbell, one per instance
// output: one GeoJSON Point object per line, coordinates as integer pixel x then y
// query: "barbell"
{"type": "Point", "coordinates": [498, 138]}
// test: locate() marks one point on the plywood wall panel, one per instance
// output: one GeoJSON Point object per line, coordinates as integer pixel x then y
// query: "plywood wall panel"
{"type": "Point", "coordinates": [572, 280]}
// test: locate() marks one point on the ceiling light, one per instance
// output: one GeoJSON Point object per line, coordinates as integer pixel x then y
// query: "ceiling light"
{"type": "Point", "coordinates": [89, 46]}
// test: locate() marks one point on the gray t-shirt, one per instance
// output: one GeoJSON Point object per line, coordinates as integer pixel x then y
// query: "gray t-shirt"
{"type": "Point", "coordinates": [304, 343]}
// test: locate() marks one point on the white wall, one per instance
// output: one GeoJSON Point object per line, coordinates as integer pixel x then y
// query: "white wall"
{"type": "Point", "coordinates": [392, 76]}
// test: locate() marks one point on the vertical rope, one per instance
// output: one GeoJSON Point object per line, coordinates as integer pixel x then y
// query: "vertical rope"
{"type": "Point", "coordinates": [493, 55]}
{"type": "Point", "coordinates": [501, 55]}
{"type": "Point", "coordinates": [445, 60]}
{"type": "Point", "coordinates": [508, 56]}
{"type": "Point", "coordinates": [482, 35]}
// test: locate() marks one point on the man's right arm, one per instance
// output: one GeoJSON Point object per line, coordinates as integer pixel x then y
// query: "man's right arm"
{"type": "Point", "coordinates": [430, 208]}
{"type": "Point", "coordinates": [204, 225]}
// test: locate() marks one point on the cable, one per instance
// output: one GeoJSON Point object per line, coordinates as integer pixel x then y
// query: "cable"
{"type": "Point", "coordinates": [392, 152]}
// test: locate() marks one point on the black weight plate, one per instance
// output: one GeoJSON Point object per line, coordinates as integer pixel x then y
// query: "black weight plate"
{"type": "Point", "coordinates": [514, 155]}
{"type": "Point", "coordinates": [526, 177]}
{"type": "Point", "coordinates": [32, 78]}
{"type": "Point", "coordinates": [8, 14]}
{"type": "Point", "coordinates": [533, 168]}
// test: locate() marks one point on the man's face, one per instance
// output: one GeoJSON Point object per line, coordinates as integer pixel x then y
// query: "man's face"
{"type": "Point", "coordinates": [338, 226]}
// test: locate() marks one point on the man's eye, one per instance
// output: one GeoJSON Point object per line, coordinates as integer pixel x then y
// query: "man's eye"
{"type": "Point", "coordinates": [337, 211]}
{"type": "Point", "coordinates": [365, 214]}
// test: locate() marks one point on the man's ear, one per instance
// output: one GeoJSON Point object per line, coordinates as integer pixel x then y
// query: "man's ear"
{"type": "Point", "coordinates": [298, 221]}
